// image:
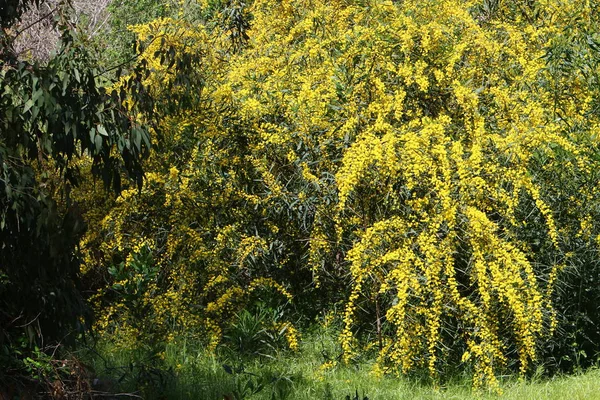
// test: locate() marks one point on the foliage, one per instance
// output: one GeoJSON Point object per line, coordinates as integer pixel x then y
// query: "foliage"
{"type": "Point", "coordinates": [408, 160]}
{"type": "Point", "coordinates": [196, 371]}
{"type": "Point", "coordinates": [247, 384]}
{"type": "Point", "coordinates": [207, 269]}
{"type": "Point", "coordinates": [356, 397]}
{"type": "Point", "coordinates": [118, 38]}
{"type": "Point", "coordinates": [50, 116]}
{"type": "Point", "coordinates": [573, 61]}
{"type": "Point", "coordinates": [259, 331]}
{"type": "Point", "coordinates": [435, 130]}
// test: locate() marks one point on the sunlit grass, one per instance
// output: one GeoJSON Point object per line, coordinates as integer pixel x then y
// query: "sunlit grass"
{"type": "Point", "coordinates": [186, 371]}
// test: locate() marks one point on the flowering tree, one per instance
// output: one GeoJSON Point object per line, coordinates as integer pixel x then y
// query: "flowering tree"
{"type": "Point", "coordinates": [396, 155]}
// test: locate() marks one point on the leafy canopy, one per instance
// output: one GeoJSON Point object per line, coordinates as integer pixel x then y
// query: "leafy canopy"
{"type": "Point", "coordinates": [50, 116]}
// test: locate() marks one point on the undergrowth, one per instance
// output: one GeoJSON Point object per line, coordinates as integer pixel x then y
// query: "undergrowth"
{"type": "Point", "coordinates": [183, 369]}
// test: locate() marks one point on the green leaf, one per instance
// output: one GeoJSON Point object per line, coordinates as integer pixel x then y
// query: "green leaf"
{"type": "Point", "coordinates": [146, 138]}
{"type": "Point", "coordinates": [102, 130]}
{"type": "Point", "coordinates": [92, 135]}
{"type": "Point", "coordinates": [37, 94]}
{"type": "Point", "coordinates": [137, 138]}
{"type": "Point", "coordinates": [28, 104]}
{"type": "Point", "coordinates": [98, 142]}
{"type": "Point", "coordinates": [65, 84]}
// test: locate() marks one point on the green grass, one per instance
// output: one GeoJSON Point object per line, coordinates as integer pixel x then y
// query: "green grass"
{"type": "Point", "coordinates": [186, 371]}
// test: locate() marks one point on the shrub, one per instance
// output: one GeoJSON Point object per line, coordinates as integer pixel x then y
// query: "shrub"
{"type": "Point", "coordinates": [408, 160]}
